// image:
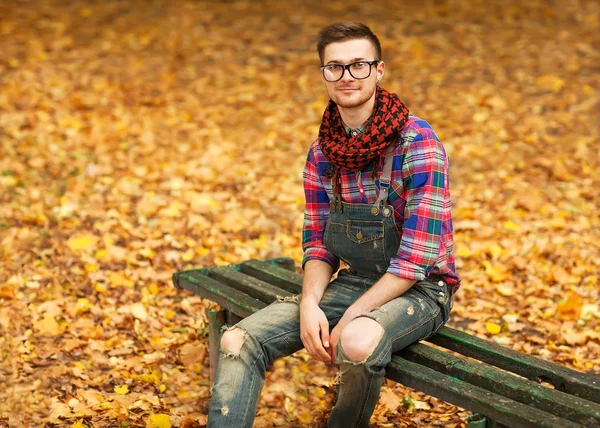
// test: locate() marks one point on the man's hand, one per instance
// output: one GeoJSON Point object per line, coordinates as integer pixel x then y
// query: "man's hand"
{"type": "Point", "coordinates": [314, 330]}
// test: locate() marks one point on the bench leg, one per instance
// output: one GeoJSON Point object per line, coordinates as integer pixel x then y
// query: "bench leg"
{"type": "Point", "coordinates": [477, 420]}
{"type": "Point", "coordinates": [216, 320]}
{"type": "Point", "coordinates": [232, 318]}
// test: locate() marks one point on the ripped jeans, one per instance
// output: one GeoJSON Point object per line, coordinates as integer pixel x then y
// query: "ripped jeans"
{"type": "Point", "coordinates": [274, 332]}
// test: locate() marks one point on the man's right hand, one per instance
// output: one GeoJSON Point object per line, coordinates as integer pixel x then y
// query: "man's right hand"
{"type": "Point", "coordinates": [314, 330]}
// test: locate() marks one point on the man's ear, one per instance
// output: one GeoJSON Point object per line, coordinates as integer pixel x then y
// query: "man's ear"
{"type": "Point", "coordinates": [380, 70]}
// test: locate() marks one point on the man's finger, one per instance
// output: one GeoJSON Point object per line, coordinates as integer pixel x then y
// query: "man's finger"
{"type": "Point", "coordinates": [325, 333]}
{"type": "Point", "coordinates": [314, 346]}
{"type": "Point", "coordinates": [319, 351]}
{"type": "Point", "coordinates": [323, 353]}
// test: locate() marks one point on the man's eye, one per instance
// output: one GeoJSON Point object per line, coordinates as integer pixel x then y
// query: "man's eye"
{"type": "Point", "coordinates": [334, 67]}
{"type": "Point", "coordinates": [359, 64]}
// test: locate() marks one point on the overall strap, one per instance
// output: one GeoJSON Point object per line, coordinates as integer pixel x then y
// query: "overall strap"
{"type": "Point", "coordinates": [384, 182]}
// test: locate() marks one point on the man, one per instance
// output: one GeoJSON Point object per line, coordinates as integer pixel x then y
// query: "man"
{"type": "Point", "coordinates": [377, 198]}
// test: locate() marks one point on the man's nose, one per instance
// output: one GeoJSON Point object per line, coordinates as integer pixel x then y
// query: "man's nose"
{"type": "Point", "coordinates": [347, 77]}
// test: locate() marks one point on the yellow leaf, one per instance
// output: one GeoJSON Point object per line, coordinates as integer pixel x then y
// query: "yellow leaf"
{"type": "Point", "coordinates": [570, 309]}
{"type": "Point", "coordinates": [305, 417]}
{"type": "Point", "coordinates": [118, 279]}
{"type": "Point", "coordinates": [505, 290]}
{"type": "Point", "coordinates": [202, 251]}
{"type": "Point", "coordinates": [492, 328]}
{"type": "Point", "coordinates": [494, 272]}
{"type": "Point", "coordinates": [78, 424]}
{"type": "Point", "coordinates": [90, 268]}
{"type": "Point", "coordinates": [463, 252]}
{"type": "Point", "coordinates": [59, 410]}
{"type": "Point", "coordinates": [389, 399]}
{"type": "Point", "coordinates": [560, 274]}
{"type": "Point", "coordinates": [83, 305]}
{"type": "Point", "coordinates": [8, 181]}
{"type": "Point", "coordinates": [590, 311]}
{"type": "Point", "coordinates": [82, 241]}
{"type": "Point", "coordinates": [495, 251]}
{"type": "Point", "coordinates": [153, 288]}
{"type": "Point", "coordinates": [173, 210]}
{"type": "Point", "coordinates": [123, 389]}
{"type": "Point", "coordinates": [105, 405]}
{"type": "Point", "coordinates": [139, 311]}
{"type": "Point", "coordinates": [154, 357]}
{"type": "Point", "coordinates": [188, 255]}
{"type": "Point", "coordinates": [424, 405]}
{"type": "Point", "coordinates": [47, 326]}
{"type": "Point", "coordinates": [158, 421]}
{"type": "Point", "coordinates": [150, 377]}
{"type": "Point", "coordinates": [509, 225]}
{"type": "Point", "coordinates": [550, 82]}
{"type": "Point", "coordinates": [162, 387]}
{"type": "Point", "coordinates": [148, 253]}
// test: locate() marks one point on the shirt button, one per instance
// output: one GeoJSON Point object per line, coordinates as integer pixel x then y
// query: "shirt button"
{"type": "Point", "coordinates": [441, 283]}
{"type": "Point", "coordinates": [354, 133]}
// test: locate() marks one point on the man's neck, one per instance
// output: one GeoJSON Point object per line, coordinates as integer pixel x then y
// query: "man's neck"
{"type": "Point", "coordinates": [355, 116]}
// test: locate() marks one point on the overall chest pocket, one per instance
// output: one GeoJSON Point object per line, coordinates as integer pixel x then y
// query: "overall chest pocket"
{"type": "Point", "coordinates": [366, 239]}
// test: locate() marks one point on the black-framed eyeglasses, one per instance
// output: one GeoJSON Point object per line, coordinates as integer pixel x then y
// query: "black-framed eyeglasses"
{"type": "Point", "coordinates": [358, 70]}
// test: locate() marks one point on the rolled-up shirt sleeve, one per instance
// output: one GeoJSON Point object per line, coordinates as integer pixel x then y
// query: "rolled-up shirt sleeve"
{"type": "Point", "coordinates": [316, 213]}
{"type": "Point", "coordinates": [424, 176]}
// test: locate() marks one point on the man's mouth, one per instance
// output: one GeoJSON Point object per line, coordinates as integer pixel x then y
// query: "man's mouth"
{"type": "Point", "coordinates": [347, 89]}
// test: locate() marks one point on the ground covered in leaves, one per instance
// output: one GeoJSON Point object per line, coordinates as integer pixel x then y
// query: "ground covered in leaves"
{"type": "Point", "coordinates": [139, 138]}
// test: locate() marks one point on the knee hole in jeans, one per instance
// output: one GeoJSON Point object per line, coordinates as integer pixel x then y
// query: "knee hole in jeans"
{"type": "Point", "coordinates": [360, 338]}
{"type": "Point", "coordinates": [232, 341]}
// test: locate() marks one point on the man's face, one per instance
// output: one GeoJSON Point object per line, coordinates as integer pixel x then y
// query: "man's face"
{"type": "Point", "coordinates": [349, 92]}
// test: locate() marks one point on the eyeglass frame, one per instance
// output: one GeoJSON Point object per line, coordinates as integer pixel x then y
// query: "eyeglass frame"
{"type": "Point", "coordinates": [347, 67]}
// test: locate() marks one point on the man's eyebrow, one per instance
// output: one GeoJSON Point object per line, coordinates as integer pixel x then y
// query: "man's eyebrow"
{"type": "Point", "coordinates": [337, 61]}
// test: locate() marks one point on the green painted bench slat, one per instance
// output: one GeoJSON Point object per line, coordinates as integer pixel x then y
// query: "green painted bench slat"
{"type": "Point", "coordinates": [524, 391]}
{"type": "Point", "coordinates": [534, 368]}
{"type": "Point", "coordinates": [227, 297]}
{"type": "Point", "coordinates": [252, 286]}
{"type": "Point", "coordinates": [509, 412]}
{"type": "Point", "coordinates": [268, 272]}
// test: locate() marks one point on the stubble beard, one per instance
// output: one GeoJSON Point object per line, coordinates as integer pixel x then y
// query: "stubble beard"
{"type": "Point", "coordinates": [353, 103]}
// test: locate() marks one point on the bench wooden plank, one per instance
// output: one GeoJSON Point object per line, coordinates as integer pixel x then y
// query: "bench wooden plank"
{"type": "Point", "coordinates": [288, 280]}
{"type": "Point", "coordinates": [534, 368]}
{"type": "Point", "coordinates": [283, 262]}
{"type": "Point", "coordinates": [501, 409]}
{"type": "Point", "coordinates": [527, 392]}
{"type": "Point", "coordinates": [252, 286]}
{"type": "Point", "coordinates": [227, 297]}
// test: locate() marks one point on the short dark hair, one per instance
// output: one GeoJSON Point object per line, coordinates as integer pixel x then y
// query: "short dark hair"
{"type": "Point", "coordinates": [343, 31]}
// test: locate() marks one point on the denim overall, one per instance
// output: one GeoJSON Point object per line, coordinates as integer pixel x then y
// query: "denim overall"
{"type": "Point", "coordinates": [366, 238]}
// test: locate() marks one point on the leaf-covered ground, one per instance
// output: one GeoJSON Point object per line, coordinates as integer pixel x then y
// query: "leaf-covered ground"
{"type": "Point", "coordinates": [139, 138]}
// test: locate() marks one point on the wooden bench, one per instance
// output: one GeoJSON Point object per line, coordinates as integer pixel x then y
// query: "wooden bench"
{"type": "Point", "coordinates": [502, 388]}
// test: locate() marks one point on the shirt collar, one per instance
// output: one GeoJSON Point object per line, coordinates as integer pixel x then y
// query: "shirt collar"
{"type": "Point", "coordinates": [360, 130]}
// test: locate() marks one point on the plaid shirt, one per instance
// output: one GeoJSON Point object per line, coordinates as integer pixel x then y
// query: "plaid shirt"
{"type": "Point", "coordinates": [419, 194]}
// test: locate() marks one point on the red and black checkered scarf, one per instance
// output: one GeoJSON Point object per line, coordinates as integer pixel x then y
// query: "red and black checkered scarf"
{"type": "Point", "coordinates": [355, 153]}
